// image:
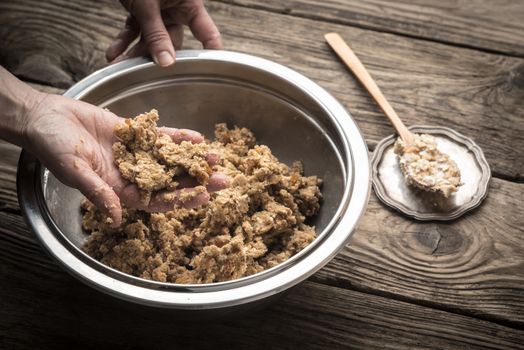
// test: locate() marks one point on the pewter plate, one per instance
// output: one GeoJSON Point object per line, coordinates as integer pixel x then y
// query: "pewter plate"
{"type": "Point", "coordinates": [392, 190]}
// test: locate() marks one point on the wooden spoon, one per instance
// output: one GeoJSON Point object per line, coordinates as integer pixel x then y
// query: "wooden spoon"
{"type": "Point", "coordinates": [437, 180]}
{"type": "Point", "coordinates": [351, 60]}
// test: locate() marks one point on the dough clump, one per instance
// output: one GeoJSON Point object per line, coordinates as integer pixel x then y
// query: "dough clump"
{"type": "Point", "coordinates": [152, 160]}
{"type": "Point", "coordinates": [256, 223]}
{"type": "Point", "coordinates": [425, 167]}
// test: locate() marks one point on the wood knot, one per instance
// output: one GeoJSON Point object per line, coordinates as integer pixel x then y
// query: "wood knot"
{"type": "Point", "coordinates": [516, 77]}
{"type": "Point", "coordinates": [55, 54]}
{"type": "Point", "coordinates": [42, 69]}
{"type": "Point", "coordinates": [433, 241]}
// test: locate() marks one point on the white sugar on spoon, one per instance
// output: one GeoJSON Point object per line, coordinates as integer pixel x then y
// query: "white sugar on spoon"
{"type": "Point", "coordinates": [422, 164]}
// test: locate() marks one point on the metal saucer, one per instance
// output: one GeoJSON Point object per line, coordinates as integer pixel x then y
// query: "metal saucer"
{"type": "Point", "coordinates": [391, 189]}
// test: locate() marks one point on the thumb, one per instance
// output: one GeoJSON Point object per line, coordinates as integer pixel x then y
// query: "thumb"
{"type": "Point", "coordinates": [99, 193]}
{"type": "Point", "coordinates": [154, 32]}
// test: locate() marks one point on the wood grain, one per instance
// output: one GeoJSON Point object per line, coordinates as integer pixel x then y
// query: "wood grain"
{"type": "Point", "coordinates": [384, 289]}
{"type": "Point", "coordinates": [351, 60]}
{"type": "Point", "coordinates": [487, 25]}
{"type": "Point", "coordinates": [472, 266]}
{"type": "Point", "coordinates": [313, 316]}
{"type": "Point", "coordinates": [477, 93]}
{"type": "Point", "coordinates": [8, 160]}
{"type": "Point", "coordinates": [56, 42]}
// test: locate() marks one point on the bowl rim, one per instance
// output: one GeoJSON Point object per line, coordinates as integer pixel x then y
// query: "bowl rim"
{"type": "Point", "coordinates": [212, 295]}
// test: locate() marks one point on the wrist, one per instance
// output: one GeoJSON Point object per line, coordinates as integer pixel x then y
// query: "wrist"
{"type": "Point", "coordinates": [17, 100]}
{"type": "Point", "coordinates": [27, 113]}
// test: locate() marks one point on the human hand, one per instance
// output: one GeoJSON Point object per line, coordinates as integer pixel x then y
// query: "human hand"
{"type": "Point", "coordinates": [74, 141]}
{"type": "Point", "coordinates": [160, 24]}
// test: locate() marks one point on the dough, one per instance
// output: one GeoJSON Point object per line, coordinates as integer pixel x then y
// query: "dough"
{"type": "Point", "coordinates": [425, 167]}
{"type": "Point", "coordinates": [254, 224]}
{"type": "Point", "coordinates": [151, 160]}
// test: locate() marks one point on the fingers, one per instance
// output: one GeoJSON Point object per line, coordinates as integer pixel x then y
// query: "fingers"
{"type": "Point", "coordinates": [130, 195]}
{"type": "Point", "coordinates": [176, 32]}
{"type": "Point", "coordinates": [204, 29]}
{"type": "Point", "coordinates": [186, 181]}
{"type": "Point", "coordinates": [212, 158]}
{"type": "Point", "coordinates": [138, 50]}
{"type": "Point", "coordinates": [217, 182]}
{"type": "Point", "coordinates": [160, 41]}
{"type": "Point", "coordinates": [99, 193]}
{"type": "Point", "coordinates": [154, 32]}
{"type": "Point", "coordinates": [123, 40]}
{"type": "Point", "coordinates": [164, 200]}
{"type": "Point", "coordinates": [190, 197]}
{"type": "Point", "coordinates": [187, 198]}
{"type": "Point", "coordinates": [179, 135]}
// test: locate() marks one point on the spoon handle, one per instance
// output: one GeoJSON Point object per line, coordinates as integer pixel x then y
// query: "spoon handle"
{"type": "Point", "coordinates": [351, 60]}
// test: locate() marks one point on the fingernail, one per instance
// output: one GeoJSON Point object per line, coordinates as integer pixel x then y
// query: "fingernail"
{"type": "Point", "coordinates": [188, 135]}
{"type": "Point", "coordinates": [194, 136]}
{"type": "Point", "coordinates": [118, 59]}
{"type": "Point", "coordinates": [164, 59]}
{"type": "Point", "coordinates": [212, 158]}
{"type": "Point", "coordinates": [221, 179]}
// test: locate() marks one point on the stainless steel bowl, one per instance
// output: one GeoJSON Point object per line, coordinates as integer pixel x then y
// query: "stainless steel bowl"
{"type": "Point", "coordinates": [291, 114]}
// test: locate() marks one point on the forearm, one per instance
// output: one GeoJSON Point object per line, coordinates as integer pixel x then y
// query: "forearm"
{"type": "Point", "coordinates": [16, 100]}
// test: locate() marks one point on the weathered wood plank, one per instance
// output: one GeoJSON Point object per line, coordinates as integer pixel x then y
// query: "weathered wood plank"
{"type": "Point", "coordinates": [476, 93]}
{"type": "Point", "coordinates": [487, 25]}
{"type": "Point", "coordinates": [389, 255]}
{"type": "Point", "coordinates": [8, 160]}
{"type": "Point", "coordinates": [56, 42]}
{"type": "Point", "coordinates": [473, 266]}
{"type": "Point", "coordinates": [313, 316]}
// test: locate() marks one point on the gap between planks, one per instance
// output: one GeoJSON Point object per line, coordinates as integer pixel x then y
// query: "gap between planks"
{"type": "Point", "coordinates": [343, 284]}
{"type": "Point", "coordinates": [485, 87]}
{"type": "Point", "coordinates": [330, 315]}
{"type": "Point", "coordinates": [288, 12]}
{"type": "Point", "coordinates": [333, 282]}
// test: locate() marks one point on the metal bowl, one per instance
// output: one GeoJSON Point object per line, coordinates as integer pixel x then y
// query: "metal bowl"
{"type": "Point", "coordinates": [291, 114]}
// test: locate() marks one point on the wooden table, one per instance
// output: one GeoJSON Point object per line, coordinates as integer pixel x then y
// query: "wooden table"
{"type": "Point", "coordinates": [399, 283]}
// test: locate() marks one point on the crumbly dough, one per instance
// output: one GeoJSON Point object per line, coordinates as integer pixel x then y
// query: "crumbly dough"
{"type": "Point", "coordinates": [425, 167]}
{"type": "Point", "coordinates": [254, 224]}
{"type": "Point", "coordinates": [152, 160]}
